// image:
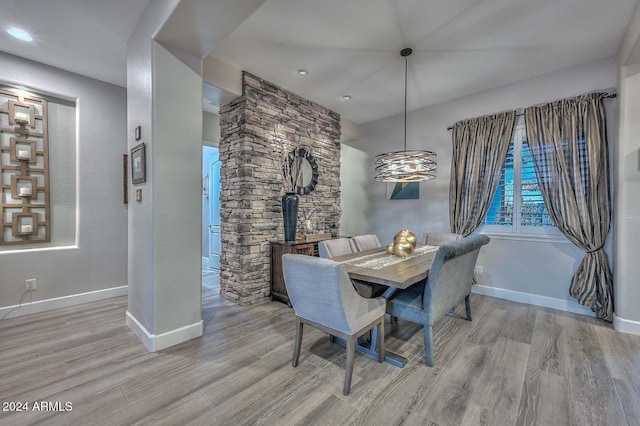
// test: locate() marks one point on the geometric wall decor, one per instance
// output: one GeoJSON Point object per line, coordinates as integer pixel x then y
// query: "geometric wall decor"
{"type": "Point", "coordinates": [24, 169]}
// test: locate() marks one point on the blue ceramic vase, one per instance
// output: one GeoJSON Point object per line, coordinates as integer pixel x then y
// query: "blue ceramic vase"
{"type": "Point", "coordinates": [290, 202]}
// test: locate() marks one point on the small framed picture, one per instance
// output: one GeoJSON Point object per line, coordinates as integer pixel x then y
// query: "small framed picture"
{"type": "Point", "coordinates": [125, 184]}
{"type": "Point", "coordinates": [138, 133]}
{"type": "Point", "coordinates": [138, 167]}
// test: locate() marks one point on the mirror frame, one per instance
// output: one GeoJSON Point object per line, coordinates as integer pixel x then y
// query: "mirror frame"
{"type": "Point", "coordinates": [303, 152]}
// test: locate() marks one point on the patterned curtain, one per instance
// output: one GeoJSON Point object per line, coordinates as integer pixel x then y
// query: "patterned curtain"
{"type": "Point", "coordinates": [479, 150]}
{"type": "Point", "coordinates": [568, 143]}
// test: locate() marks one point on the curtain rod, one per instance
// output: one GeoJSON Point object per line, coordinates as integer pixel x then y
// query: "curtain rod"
{"type": "Point", "coordinates": [611, 95]}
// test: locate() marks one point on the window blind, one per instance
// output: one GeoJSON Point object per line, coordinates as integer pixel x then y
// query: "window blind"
{"type": "Point", "coordinates": [517, 205]}
{"type": "Point", "coordinates": [501, 209]}
{"type": "Point", "coordinates": [533, 210]}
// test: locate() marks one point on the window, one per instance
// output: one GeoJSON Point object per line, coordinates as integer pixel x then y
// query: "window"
{"type": "Point", "coordinates": [517, 206]}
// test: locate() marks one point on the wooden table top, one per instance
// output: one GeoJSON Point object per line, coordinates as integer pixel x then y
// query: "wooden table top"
{"type": "Point", "coordinates": [400, 275]}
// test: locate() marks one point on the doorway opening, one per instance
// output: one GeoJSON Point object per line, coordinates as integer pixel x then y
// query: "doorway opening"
{"type": "Point", "coordinates": [211, 237]}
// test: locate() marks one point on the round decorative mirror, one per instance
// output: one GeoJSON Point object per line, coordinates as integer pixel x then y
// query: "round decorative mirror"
{"type": "Point", "coordinates": [301, 159]}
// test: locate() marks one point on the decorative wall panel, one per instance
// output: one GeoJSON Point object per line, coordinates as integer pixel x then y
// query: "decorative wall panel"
{"type": "Point", "coordinates": [24, 167]}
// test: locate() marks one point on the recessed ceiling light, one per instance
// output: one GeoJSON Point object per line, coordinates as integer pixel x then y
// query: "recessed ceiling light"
{"type": "Point", "coordinates": [20, 34]}
{"type": "Point", "coordinates": [303, 71]}
{"type": "Point", "coordinates": [346, 97]}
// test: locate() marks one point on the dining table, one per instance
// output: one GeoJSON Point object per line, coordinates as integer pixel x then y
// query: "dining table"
{"type": "Point", "coordinates": [378, 267]}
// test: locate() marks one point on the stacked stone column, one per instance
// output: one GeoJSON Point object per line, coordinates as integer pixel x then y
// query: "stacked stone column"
{"type": "Point", "coordinates": [251, 184]}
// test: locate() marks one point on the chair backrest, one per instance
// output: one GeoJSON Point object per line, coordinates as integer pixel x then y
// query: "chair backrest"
{"type": "Point", "coordinates": [321, 291]}
{"type": "Point", "coordinates": [335, 247]}
{"type": "Point", "coordinates": [451, 275]}
{"type": "Point", "coordinates": [366, 242]}
{"type": "Point", "coordinates": [439, 238]}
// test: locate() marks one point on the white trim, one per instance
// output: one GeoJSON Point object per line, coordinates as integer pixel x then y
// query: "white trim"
{"type": "Point", "coordinates": [35, 250]}
{"type": "Point", "coordinates": [566, 305]}
{"type": "Point", "coordinates": [63, 302]}
{"type": "Point", "coordinates": [626, 326]}
{"type": "Point", "coordinates": [158, 342]}
{"type": "Point", "coordinates": [540, 238]}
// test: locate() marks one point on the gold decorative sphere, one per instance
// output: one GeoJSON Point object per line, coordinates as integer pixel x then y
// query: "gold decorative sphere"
{"type": "Point", "coordinates": [408, 235]}
{"type": "Point", "coordinates": [404, 242]}
{"type": "Point", "coordinates": [402, 247]}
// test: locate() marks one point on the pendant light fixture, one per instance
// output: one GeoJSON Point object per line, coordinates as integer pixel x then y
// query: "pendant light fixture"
{"type": "Point", "coordinates": [405, 166]}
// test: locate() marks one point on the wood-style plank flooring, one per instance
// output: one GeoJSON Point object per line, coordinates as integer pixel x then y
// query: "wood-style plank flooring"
{"type": "Point", "coordinates": [514, 364]}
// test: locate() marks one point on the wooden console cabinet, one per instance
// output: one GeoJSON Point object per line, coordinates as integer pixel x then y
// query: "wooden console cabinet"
{"type": "Point", "coordinates": [278, 248]}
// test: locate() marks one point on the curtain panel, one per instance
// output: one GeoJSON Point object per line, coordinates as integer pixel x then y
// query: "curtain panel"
{"type": "Point", "coordinates": [568, 143]}
{"type": "Point", "coordinates": [480, 147]}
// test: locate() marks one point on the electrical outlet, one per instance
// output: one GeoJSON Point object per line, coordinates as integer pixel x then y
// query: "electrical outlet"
{"type": "Point", "coordinates": [30, 284]}
{"type": "Point", "coordinates": [478, 270]}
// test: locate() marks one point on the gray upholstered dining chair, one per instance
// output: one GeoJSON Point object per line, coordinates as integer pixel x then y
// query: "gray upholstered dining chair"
{"type": "Point", "coordinates": [439, 238]}
{"type": "Point", "coordinates": [341, 246]}
{"type": "Point", "coordinates": [335, 247]}
{"type": "Point", "coordinates": [322, 296]}
{"type": "Point", "coordinates": [366, 242]}
{"type": "Point", "coordinates": [448, 283]}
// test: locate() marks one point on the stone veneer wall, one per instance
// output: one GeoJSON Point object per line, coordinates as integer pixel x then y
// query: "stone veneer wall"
{"type": "Point", "coordinates": [251, 185]}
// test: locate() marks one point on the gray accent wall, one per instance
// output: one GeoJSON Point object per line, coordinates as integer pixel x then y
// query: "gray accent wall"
{"type": "Point", "coordinates": [513, 265]}
{"type": "Point", "coordinates": [94, 232]}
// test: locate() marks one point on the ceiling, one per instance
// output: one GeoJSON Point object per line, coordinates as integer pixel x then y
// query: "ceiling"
{"type": "Point", "coordinates": [459, 47]}
{"type": "Point", "coordinates": [88, 37]}
{"type": "Point", "coordinates": [349, 47]}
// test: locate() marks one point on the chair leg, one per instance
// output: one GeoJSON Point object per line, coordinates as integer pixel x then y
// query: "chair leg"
{"type": "Point", "coordinates": [467, 304]}
{"type": "Point", "coordinates": [381, 340]}
{"type": "Point", "coordinates": [348, 368]}
{"type": "Point", "coordinates": [298, 343]}
{"type": "Point", "coordinates": [428, 345]}
{"type": "Point", "coordinates": [393, 322]}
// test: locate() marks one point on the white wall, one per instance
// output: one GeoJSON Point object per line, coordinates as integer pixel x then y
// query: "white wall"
{"type": "Point", "coordinates": [176, 195]}
{"type": "Point", "coordinates": [627, 266]}
{"type": "Point", "coordinates": [627, 196]}
{"type": "Point", "coordinates": [99, 259]}
{"type": "Point", "coordinates": [141, 278]}
{"type": "Point", "coordinates": [210, 129]}
{"type": "Point", "coordinates": [543, 269]}
{"type": "Point", "coordinates": [165, 98]}
{"type": "Point", "coordinates": [355, 176]}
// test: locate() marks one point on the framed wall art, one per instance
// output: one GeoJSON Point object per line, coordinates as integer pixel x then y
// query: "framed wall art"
{"type": "Point", "coordinates": [403, 191]}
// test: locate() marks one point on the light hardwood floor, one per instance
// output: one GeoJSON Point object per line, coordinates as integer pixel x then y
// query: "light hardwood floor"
{"type": "Point", "coordinates": [513, 365]}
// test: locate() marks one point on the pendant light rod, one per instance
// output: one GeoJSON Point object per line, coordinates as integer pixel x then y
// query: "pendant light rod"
{"type": "Point", "coordinates": [405, 54]}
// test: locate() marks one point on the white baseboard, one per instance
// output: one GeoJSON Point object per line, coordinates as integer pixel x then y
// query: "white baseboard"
{"type": "Point", "coordinates": [533, 299]}
{"type": "Point", "coordinates": [626, 326]}
{"type": "Point", "coordinates": [158, 342]}
{"type": "Point", "coordinates": [63, 302]}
